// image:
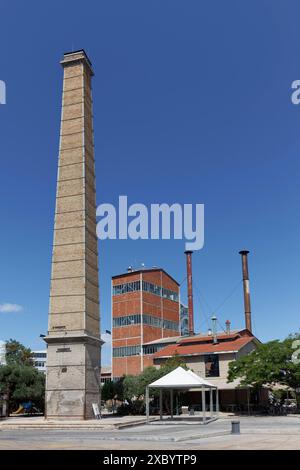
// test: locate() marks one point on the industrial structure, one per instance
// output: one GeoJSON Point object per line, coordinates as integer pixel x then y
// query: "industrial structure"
{"type": "Point", "coordinates": [73, 339]}
{"type": "Point", "coordinates": [208, 356]}
{"type": "Point", "coordinates": [149, 322]}
{"type": "Point", "coordinates": [150, 325]}
{"type": "Point", "coordinates": [145, 307]}
{"type": "Point", "coordinates": [190, 291]}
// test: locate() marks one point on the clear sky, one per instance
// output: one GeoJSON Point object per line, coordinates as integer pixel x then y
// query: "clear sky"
{"type": "Point", "coordinates": [191, 105]}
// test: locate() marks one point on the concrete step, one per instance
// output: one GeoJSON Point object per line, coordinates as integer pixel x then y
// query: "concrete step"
{"type": "Point", "coordinates": [95, 425]}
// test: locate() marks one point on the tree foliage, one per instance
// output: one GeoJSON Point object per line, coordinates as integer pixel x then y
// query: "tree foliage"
{"type": "Point", "coordinates": [19, 383]}
{"type": "Point", "coordinates": [18, 354]}
{"type": "Point", "coordinates": [269, 364]}
{"type": "Point", "coordinates": [171, 364]}
{"type": "Point", "coordinates": [112, 390]}
{"type": "Point", "coordinates": [135, 385]}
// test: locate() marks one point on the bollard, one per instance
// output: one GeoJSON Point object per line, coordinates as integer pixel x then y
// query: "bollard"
{"type": "Point", "coordinates": [235, 427]}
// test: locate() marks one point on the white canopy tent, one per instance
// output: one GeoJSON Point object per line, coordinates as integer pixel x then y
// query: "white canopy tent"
{"type": "Point", "coordinates": [184, 380]}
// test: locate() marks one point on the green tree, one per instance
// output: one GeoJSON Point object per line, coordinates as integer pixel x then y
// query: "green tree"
{"type": "Point", "coordinates": [112, 390]}
{"type": "Point", "coordinates": [171, 364]}
{"type": "Point", "coordinates": [19, 383]}
{"type": "Point", "coordinates": [18, 354]}
{"type": "Point", "coordinates": [135, 385]}
{"type": "Point", "coordinates": [271, 363]}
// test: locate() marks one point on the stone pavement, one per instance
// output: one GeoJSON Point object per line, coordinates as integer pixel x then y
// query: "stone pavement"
{"type": "Point", "coordinates": [256, 433]}
{"type": "Point", "coordinates": [38, 422]}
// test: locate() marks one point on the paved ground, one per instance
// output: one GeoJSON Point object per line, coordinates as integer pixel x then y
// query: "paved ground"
{"type": "Point", "coordinates": [256, 433]}
{"type": "Point", "coordinates": [32, 422]}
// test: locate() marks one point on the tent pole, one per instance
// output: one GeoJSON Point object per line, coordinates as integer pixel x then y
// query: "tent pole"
{"type": "Point", "coordinates": [160, 403]}
{"type": "Point", "coordinates": [211, 406]}
{"type": "Point", "coordinates": [147, 404]}
{"type": "Point", "coordinates": [171, 394]}
{"type": "Point", "coordinates": [203, 406]}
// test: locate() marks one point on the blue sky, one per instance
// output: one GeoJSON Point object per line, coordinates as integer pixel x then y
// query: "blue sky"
{"type": "Point", "coordinates": [192, 105]}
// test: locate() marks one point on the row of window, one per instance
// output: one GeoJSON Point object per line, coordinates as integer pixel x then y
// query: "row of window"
{"type": "Point", "coordinates": [147, 287]}
{"type": "Point", "coordinates": [105, 380]}
{"type": "Point", "coordinates": [135, 319]}
{"type": "Point", "coordinates": [160, 323]}
{"type": "Point", "coordinates": [127, 287]}
{"type": "Point", "coordinates": [136, 350]}
{"type": "Point", "coordinates": [161, 291]}
{"type": "Point", "coordinates": [152, 288]}
{"type": "Point", "coordinates": [39, 364]}
{"type": "Point", "coordinates": [39, 355]}
{"type": "Point", "coordinates": [152, 348]}
{"type": "Point", "coordinates": [124, 351]}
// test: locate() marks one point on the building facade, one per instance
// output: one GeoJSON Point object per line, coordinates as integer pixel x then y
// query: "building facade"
{"type": "Point", "coordinates": [40, 360]}
{"type": "Point", "coordinates": [145, 307]}
{"type": "Point", "coordinates": [209, 357]}
{"type": "Point", "coordinates": [105, 375]}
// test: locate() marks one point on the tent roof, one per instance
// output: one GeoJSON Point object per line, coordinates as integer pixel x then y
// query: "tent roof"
{"type": "Point", "coordinates": [181, 378]}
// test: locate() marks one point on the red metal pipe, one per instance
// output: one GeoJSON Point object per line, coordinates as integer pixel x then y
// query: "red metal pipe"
{"type": "Point", "coordinates": [190, 291]}
{"type": "Point", "coordinates": [244, 254]}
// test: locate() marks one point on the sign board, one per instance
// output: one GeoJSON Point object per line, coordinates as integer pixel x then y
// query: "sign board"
{"type": "Point", "coordinates": [96, 410]}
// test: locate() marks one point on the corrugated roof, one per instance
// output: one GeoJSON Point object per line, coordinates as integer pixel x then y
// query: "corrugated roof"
{"type": "Point", "coordinates": [182, 349]}
{"type": "Point", "coordinates": [194, 338]}
{"type": "Point", "coordinates": [220, 336]}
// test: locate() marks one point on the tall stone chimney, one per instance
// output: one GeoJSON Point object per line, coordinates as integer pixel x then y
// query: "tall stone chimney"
{"type": "Point", "coordinates": [73, 340]}
{"type": "Point", "coordinates": [248, 323]}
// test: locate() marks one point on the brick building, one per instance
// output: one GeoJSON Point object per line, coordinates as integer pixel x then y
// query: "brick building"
{"type": "Point", "coordinates": [209, 356]}
{"type": "Point", "coordinates": [145, 307]}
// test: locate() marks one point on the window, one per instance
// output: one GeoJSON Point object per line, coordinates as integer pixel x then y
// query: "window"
{"type": "Point", "coordinates": [160, 323]}
{"type": "Point", "coordinates": [135, 319]}
{"type": "Point", "coordinates": [152, 321]}
{"type": "Point", "coordinates": [157, 290]}
{"type": "Point", "coordinates": [105, 380]}
{"type": "Point", "coordinates": [212, 365]}
{"type": "Point", "coordinates": [169, 294]}
{"type": "Point", "coordinates": [39, 355]}
{"type": "Point", "coordinates": [39, 364]}
{"type": "Point", "coordinates": [147, 287]}
{"type": "Point", "coordinates": [153, 348]}
{"type": "Point", "coordinates": [152, 288]}
{"type": "Point", "coordinates": [127, 320]}
{"type": "Point", "coordinates": [171, 325]}
{"type": "Point", "coordinates": [125, 351]}
{"type": "Point", "coordinates": [127, 287]}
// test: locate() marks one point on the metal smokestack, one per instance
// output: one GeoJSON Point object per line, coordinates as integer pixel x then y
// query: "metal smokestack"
{"type": "Point", "coordinates": [190, 290]}
{"type": "Point", "coordinates": [244, 254]}
{"type": "Point", "coordinates": [214, 329]}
